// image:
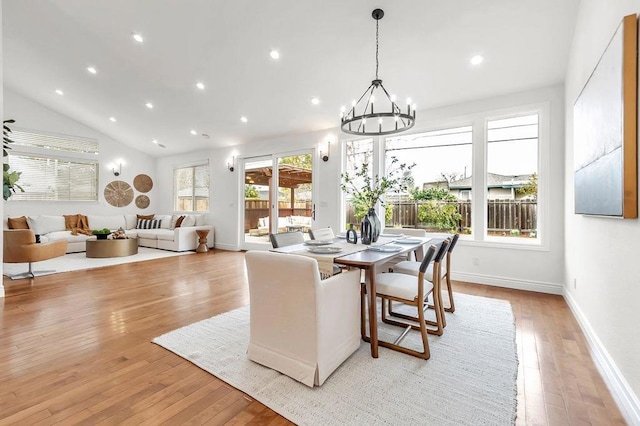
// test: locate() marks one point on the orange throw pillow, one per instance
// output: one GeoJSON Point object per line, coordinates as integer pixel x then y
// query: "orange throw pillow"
{"type": "Point", "coordinates": [18, 222]}
{"type": "Point", "coordinates": [145, 216]}
{"type": "Point", "coordinates": [179, 221]}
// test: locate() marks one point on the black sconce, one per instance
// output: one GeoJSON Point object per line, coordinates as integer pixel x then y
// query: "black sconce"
{"type": "Point", "coordinates": [231, 165]}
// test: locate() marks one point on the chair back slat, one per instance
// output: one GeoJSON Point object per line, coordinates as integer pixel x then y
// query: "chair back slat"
{"type": "Point", "coordinates": [431, 251]}
{"type": "Point", "coordinates": [286, 239]}
{"type": "Point", "coordinates": [441, 251]}
{"type": "Point", "coordinates": [454, 241]}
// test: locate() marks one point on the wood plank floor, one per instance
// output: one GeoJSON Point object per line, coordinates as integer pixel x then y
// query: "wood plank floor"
{"type": "Point", "coordinates": [75, 349]}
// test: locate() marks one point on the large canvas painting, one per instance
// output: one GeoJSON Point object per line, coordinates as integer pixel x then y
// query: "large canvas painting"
{"type": "Point", "coordinates": [605, 131]}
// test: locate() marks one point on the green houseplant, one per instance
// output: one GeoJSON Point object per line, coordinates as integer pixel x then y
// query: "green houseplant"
{"type": "Point", "coordinates": [10, 178]}
{"type": "Point", "coordinates": [101, 234]}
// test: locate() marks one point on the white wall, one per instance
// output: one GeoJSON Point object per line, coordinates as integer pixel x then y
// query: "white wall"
{"type": "Point", "coordinates": [540, 270]}
{"type": "Point", "coordinates": [602, 254]}
{"type": "Point", "coordinates": [34, 116]}
{"type": "Point", "coordinates": [1, 116]}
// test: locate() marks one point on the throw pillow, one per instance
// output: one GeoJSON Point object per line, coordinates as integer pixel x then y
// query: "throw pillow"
{"type": "Point", "coordinates": [189, 220]}
{"type": "Point", "coordinates": [145, 216]}
{"type": "Point", "coordinates": [18, 222]}
{"type": "Point", "coordinates": [179, 221]}
{"type": "Point", "coordinates": [149, 224]}
{"type": "Point", "coordinates": [70, 221]}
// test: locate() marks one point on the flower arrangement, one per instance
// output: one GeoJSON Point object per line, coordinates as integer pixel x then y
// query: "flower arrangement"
{"type": "Point", "coordinates": [102, 234]}
{"type": "Point", "coordinates": [367, 191]}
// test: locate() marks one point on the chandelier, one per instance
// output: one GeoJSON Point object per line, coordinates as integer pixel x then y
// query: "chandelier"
{"type": "Point", "coordinates": [386, 118]}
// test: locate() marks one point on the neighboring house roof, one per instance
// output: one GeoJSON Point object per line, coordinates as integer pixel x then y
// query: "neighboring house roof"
{"type": "Point", "coordinates": [436, 184]}
{"type": "Point", "coordinates": [494, 181]}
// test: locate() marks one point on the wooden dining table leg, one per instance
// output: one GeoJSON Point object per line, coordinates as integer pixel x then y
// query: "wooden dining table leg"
{"type": "Point", "coordinates": [373, 314]}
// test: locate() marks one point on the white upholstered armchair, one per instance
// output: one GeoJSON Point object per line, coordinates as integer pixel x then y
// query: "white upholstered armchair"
{"type": "Point", "coordinates": [301, 326]}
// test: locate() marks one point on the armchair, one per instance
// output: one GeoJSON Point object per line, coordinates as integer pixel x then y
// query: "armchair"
{"type": "Point", "coordinates": [19, 246]}
{"type": "Point", "coordinates": [301, 326]}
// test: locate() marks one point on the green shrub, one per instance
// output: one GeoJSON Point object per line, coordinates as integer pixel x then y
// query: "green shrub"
{"type": "Point", "coordinates": [440, 215]}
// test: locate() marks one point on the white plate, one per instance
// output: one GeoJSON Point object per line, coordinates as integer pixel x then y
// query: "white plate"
{"type": "Point", "coordinates": [388, 248]}
{"type": "Point", "coordinates": [408, 241]}
{"type": "Point", "coordinates": [318, 242]}
{"type": "Point", "coordinates": [325, 250]}
{"type": "Point", "coordinates": [392, 235]}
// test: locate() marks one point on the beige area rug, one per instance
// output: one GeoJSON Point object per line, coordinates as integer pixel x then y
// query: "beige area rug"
{"type": "Point", "coordinates": [76, 261]}
{"type": "Point", "coordinates": [469, 380]}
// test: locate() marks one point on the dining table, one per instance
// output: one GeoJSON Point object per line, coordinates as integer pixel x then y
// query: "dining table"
{"type": "Point", "coordinates": [365, 257]}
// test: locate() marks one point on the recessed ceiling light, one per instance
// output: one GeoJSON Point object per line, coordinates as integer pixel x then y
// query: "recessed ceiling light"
{"type": "Point", "coordinates": [274, 54]}
{"type": "Point", "coordinates": [476, 60]}
{"type": "Point", "coordinates": [243, 119]}
{"type": "Point", "coordinates": [92, 70]}
{"type": "Point", "coordinates": [200, 85]}
{"type": "Point", "coordinates": [155, 141]}
{"type": "Point", "coordinates": [149, 105]}
{"type": "Point", "coordinates": [315, 101]}
{"type": "Point", "coordinates": [137, 37]}
{"type": "Point", "coordinates": [113, 119]}
{"type": "Point", "coordinates": [59, 92]}
{"type": "Point", "coordinates": [193, 132]}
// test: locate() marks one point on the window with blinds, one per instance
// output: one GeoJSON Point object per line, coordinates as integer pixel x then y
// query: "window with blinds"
{"type": "Point", "coordinates": [191, 188]}
{"type": "Point", "coordinates": [54, 167]}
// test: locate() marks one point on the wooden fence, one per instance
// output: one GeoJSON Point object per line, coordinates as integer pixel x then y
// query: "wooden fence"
{"type": "Point", "coordinates": [255, 209]}
{"type": "Point", "coordinates": [503, 216]}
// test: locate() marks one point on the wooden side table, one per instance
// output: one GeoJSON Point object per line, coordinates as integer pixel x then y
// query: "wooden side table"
{"type": "Point", "coordinates": [202, 235]}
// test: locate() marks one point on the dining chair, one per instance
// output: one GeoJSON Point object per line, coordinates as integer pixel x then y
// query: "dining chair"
{"type": "Point", "coordinates": [408, 290]}
{"type": "Point", "coordinates": [290, 238]}
{"type": "Point", "coordinates": [303, 327]}
{"type": "Point", "coordinates": [284, 239]}
{"type": "Point", "coordinates": [433, 274]}
{"type": "Point", "coordinates": [322, 234]}
{"type": "Point", "coordinates": [411, 268]}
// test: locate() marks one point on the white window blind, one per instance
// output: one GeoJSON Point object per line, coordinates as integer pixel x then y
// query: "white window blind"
{"type": "Point", "coordinates": [54, 167]}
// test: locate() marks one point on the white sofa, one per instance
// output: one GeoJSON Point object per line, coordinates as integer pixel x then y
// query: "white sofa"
{"type": "Point", "coordinates": [52, 228]}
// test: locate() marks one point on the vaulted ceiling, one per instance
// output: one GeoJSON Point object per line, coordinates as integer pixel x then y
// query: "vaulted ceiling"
{"type": "Point", "coordinates": [327, 50]}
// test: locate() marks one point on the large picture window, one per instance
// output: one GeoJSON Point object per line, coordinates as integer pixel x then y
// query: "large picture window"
{"type": "Point", "coordinates": [54, 167]}
{"type": "Point", "coordinates": [357, 153]}
{"type": "Point", "coordinates": [191, 188]}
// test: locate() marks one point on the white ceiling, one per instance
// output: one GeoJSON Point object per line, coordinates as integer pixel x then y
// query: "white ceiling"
{"type": "Point", "coordinates": [327, 50]}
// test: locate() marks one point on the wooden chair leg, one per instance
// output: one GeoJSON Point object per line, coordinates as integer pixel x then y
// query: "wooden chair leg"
{"type": "Point", "coordinates": [452, 306]}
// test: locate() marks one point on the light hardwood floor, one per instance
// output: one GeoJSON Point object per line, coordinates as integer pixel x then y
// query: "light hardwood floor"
{"type": "Point", "coordinates": [75, 348]}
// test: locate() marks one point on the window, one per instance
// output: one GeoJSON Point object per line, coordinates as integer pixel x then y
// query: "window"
{"type": "Point", "coordinates": [512, 177]}
{"type": "Point", "coordinates": [357, 152]}
{"type": "Point", "coordinates": [54, 168]}
{"type": "Point", "coordinates": [191, 188]}
{"type": "Point", "coordinates": [440, 198]}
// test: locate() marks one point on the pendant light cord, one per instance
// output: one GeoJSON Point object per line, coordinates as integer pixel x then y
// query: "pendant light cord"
{"type": "Point", "coordinates": [377, 48]}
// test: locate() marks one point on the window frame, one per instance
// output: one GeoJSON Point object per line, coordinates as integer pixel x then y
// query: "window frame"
{"type": "Point", "coordinates": [193, 167]}
{"type": "Point", "coordinates": [479, 123]}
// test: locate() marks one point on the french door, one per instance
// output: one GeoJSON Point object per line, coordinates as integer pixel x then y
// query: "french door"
{"type": "Point", "coordinates": [278, 196]}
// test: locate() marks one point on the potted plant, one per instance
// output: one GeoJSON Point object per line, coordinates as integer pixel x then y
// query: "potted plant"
{"type": "Point", "coordinates": [101, 234]}
{"type": "Point", "coordinates": [9, 177]}
{"type": "Point", "coordinates": [367, 191]}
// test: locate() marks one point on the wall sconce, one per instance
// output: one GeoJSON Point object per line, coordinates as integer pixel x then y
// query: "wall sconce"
{"type": "Point", "coordinates": [231, 165]}
{"type": "Point", "coordinates": [118, 170]}
{"type": "Point", "coordinates": [325, 155]}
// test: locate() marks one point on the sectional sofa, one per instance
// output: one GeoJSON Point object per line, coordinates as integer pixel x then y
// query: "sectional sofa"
{"type": "Point", "coordinates": [166, 236]}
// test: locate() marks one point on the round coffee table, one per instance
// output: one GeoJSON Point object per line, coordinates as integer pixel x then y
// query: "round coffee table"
{"type": "Point", "coordinates": [202, 235]}
{"type": "Point", "coordinates": [112, 248]}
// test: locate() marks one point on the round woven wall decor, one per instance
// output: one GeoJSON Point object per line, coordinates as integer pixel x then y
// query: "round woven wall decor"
{"type": "Point", "coordinates": [118, 193]}
{"type": "Point", "coordinates": [142, 201]}
{"type": "Point", "coordinates": [143, 183]}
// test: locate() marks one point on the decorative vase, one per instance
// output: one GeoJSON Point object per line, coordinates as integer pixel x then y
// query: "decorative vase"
{"type": "Point", "coordinates": [376, 226]}
{"type": "Point", "coordinates": [352, 235]}
{"type": "Point", "coordinates": [102, 236]}
{"type": "Point", "coordinates": [366, 230]}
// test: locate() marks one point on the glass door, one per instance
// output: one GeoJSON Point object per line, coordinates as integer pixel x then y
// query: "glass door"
{"type": "Point", "coordinates": [278, 197]}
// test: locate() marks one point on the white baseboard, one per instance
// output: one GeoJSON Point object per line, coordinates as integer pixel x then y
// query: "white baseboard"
{"type": "Point", "coordinates": [517, 284]}
{"type": "Point", "coordinates": [622, 393]}
{"type": "Point", "coordinates": [228, 247]}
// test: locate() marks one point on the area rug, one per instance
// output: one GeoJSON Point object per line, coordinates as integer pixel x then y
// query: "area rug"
{"type": "Point", "coordinates": [469, 380]}
{"type": "Point", "coordinates": [77, 261]}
